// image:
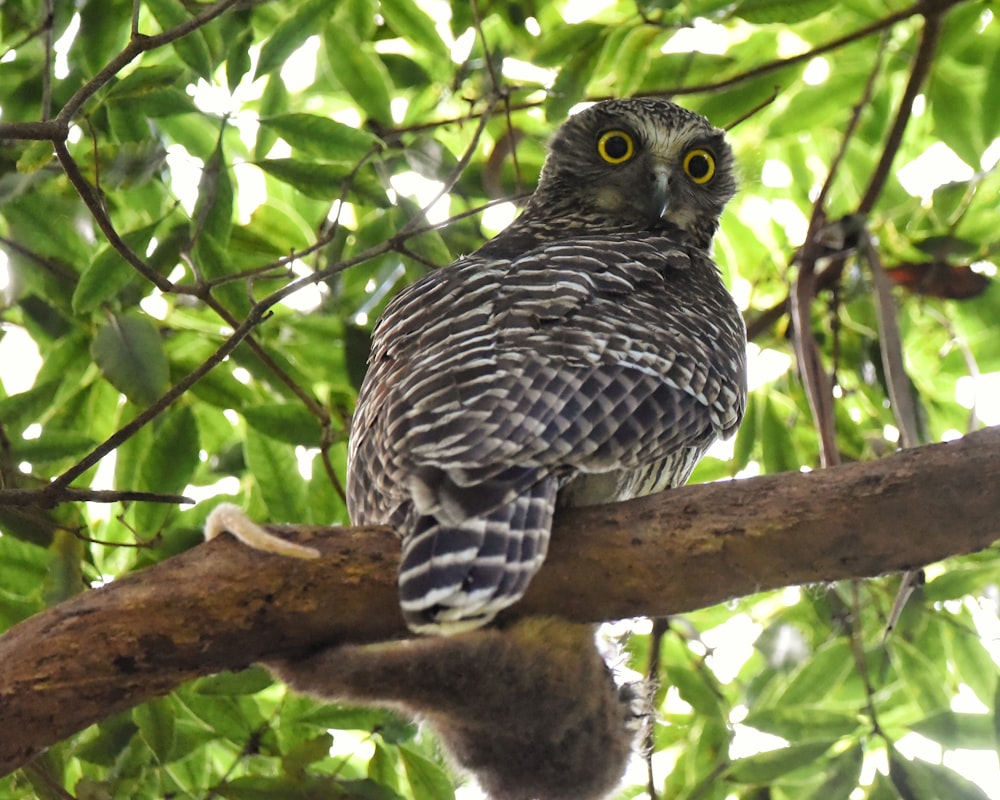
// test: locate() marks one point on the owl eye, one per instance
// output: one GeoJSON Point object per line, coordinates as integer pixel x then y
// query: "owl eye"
{"type": "Point", "coordinates": [615, 147]}
{"type": "Point", "coordinates": [699, 164]}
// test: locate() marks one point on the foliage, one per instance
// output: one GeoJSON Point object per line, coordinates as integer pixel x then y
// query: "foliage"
{"type": "Point", "coordinates": [180, 182]}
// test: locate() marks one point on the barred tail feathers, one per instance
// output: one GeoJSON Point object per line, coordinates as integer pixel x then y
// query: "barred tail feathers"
{"type": "Point", "coordinates": [457, 575]}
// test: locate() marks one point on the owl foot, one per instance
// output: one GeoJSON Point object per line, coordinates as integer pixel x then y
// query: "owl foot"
{"type": "Point", "coordinates": [228, 517]}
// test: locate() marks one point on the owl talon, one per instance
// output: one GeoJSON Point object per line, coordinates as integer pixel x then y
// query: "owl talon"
{"type": "Point", "coordinates": [228, 517]}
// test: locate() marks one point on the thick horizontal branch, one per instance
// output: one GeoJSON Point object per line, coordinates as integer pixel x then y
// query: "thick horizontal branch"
{"type": "Point", "coordinates": [222, 606]}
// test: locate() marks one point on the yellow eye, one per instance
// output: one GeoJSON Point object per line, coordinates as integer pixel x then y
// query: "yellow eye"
{"type": "Point", "coordinates": [699, 165]}
{"type": "Point", "coordinates": [615, 147]}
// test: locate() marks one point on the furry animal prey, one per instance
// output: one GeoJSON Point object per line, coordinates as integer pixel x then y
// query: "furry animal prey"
{"type": "Point", "coordinates": [532, 711]}
{"type": "Point", "coordinates": [588, 353]}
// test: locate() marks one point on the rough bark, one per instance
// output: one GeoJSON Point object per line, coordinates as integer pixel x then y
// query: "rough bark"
{"type": "Point", "coordinates": [222, 606]}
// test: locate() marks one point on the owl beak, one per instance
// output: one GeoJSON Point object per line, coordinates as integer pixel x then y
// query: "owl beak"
{"type": "Point", "coordinates": [661, 190]}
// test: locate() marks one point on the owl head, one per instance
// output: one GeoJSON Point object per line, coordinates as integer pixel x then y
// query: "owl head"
{"type": "Point", "coordinates": [638, 164]}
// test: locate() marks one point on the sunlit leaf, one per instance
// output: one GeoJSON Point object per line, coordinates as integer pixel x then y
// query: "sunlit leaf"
{"type": "Point", "coordinates": [274, 466]}
{"type": "Point", "coordinates": [428, 780]}
{"type": "Point", "coordinates": [290, 35]}
{"type": "Point", "coordinates": [766, 767]}
{"type": "Point", "coordinates": [322, 136]}
{"type": "Point", "coordinates": [155, 720]}
{"type": "Point", "coordinates": [360, 72]}
{"type": "Point", "coordinates": [410, 22]}
{"type": "Point", "coordinates": [316, 180]}
{"type": "Point", "coordinates": [783, 11]}
{"type": "Point", "coordinates": [285, 422]}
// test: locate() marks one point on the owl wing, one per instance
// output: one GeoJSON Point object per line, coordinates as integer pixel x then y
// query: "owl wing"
{"type": "Point", "coordinates": [495, 381]}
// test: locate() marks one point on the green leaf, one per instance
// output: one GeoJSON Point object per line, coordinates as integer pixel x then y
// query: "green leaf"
{"type": "Point", "coordinates": [52, 445]}
{"type": "Point", "coordinates": [766, 767]}
{"type": "Point", "coordinates": [842, 776]}
{"type": "Point", "coordinates": [818, 676]}
{"type": "Point", "coordinates": [952, 102]}
{"type": "Point", "coordinates": [570, 84]}
{"type": "Point", "coordinates": [130, 355]}
{"type": "Point", "coordinates": [35, 156]}
{"type": "Point", "coordinates": [285, 422]}
{"type": "Point", "coordinates": [104, 29]}
{"type": "Point", "coordinates": [238, 60]}
{"type": "Point", "coordinates": [19, 410]}
{"type": "Point", "coordinates": [155, 720]}
{"type": "Point", "coordinates": [952, 731]}
{"type": "Point", "coordinates": [797, 722]}
{"type": "Point", "coordinates": [290, 35]}
{"type": "Point", "coordinates": [247, 681]}
{"type": "Point", "coordinates": [414, 25]}
{"type": "Point", "coordinates": [696, 686]}
{"type": "Point", "coordinates": [192, 47]}
{"type": "Point", "coordinates": [109, 272]}
{"type": "Point", "coordinates": [173, 454]}
{"type": "Point", "coordinates": [322, 137]}
{"type": "Point", "coordinates": [383, 767]}
{"type": "Point", "coordinates": [306, 753]}
{"type": "Point", "coordinates": [988, 108]}
{"type": "Point", "coordinates": [276, 472]}
{"type": "Point", "coordinates": [315, 180]}
{"type": "Point", "coordinates": [919, 780]}
{"type": "Point", "coordinates": [275, 100]}
{"type": "Point", "coordinates": [761, 12]}
{"type": "Point", "coordinates": [145, 79]}
{"type": "Point", "coordinates": [428, 780]}
{"type": "Point", "coordinates": [632, 56]}
{"type": "Point", "coordinates": [972, 661]}
{"type": "Point", "coordinates": [778, 448]}
{"type": "Point", "coordinates": [925, 680]}
{"type": "Point", "coordinates": [358, 69]}
{"type": "Point", "coordinates": [213, 213]}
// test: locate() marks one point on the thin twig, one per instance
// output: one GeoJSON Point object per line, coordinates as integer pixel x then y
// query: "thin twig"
{"type": "Point", "coordinates": [57, 129]}
{"type": "Point", "coordinates": [929, 37]}
{"type": "Point", "coordinates": [165, 401]}
{"type": "Point", "coordinates": [47, 69]}
{"type": "Point", "coordinates": [660, 627]}
{"type": "Point", "coordinates": [95, 204]}
{"type": "Point", "coordinates": [46, 497]}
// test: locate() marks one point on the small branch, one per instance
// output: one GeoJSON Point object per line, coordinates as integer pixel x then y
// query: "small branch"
{"type": "Point", "coordinates": [929, 37]}
{"type": "Point", "coordinates": [150, 413]}
{"type": "Point", "coordinates": [46, 498]}
{"type": "Point", "coordinates": [95, 204]}
{"type": "Point", "coordinates": [47, 69]}
{"type": "Point", "coordinates": [222, 605]}
{"type": "Point", "coordinates": [918, 73]}
{"type": "Point", "coordinates": [814, 379]}
{"type": "Point", "coordinates": [138, 45]}
{"type": "Point", "coordinates": [58, 128]}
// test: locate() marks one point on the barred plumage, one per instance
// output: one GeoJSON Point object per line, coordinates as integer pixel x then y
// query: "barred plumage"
{"type": "Point", "coordinates": [588, 353]}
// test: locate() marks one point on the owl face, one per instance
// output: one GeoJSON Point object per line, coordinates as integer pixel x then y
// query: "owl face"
{"type": "Point", "coordinates": [637, 163]}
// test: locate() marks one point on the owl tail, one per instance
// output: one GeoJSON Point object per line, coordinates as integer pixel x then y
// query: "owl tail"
{"type": "Point", "coordinates": [457, 575]}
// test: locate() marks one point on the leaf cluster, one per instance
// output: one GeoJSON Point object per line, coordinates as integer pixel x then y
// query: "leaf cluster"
{"type": "Point", "coordinates": [204, 207]}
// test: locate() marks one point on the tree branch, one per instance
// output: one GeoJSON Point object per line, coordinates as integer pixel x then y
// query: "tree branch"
{"type": "Point", "coordinates": [223, 606]}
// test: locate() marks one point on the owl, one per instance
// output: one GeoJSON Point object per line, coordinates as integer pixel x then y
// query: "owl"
{"type": "Point", "coordinates": [589, 353]}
